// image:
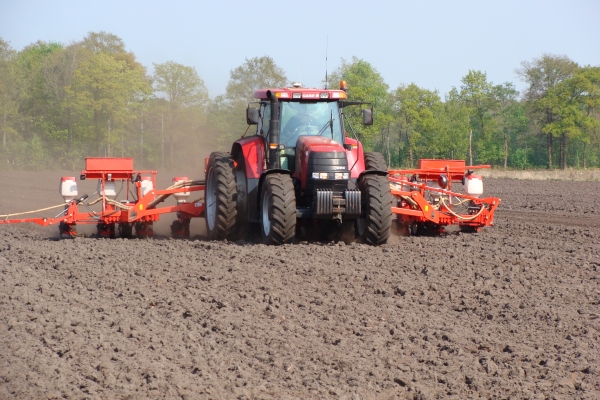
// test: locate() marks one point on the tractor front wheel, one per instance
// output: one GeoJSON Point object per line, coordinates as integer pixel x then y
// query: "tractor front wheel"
{"type": "Point", "coordinates": [375, 224]}
{"type": "Point", "coordinates": [278, 209]}
{"type": "Point", "coordinates": [221, 197]}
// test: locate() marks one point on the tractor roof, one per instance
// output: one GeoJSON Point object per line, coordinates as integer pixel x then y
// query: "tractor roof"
{"type": "Point", "coordinates": [299, 93]}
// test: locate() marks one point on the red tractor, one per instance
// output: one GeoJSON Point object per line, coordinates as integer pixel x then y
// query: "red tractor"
{"type": "Point", "coordinates": [300, 169]}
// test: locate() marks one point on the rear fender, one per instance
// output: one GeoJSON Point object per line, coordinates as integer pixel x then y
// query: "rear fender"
{"type": "Point", "coordinates": [372, 172]}
{"type": "Point", "coordinates": [253, 149]}
{"type": "Point", "coordinates": [356, 157]}
{"type": "Point", "coordinates": [248, 154]}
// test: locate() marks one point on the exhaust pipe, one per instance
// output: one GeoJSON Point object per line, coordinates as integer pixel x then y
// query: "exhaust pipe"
{"type": "Point", "coordinates": [274, 155]}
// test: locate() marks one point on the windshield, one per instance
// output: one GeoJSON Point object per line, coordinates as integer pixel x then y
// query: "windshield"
{"type": "Point", "coordinates": [310, 119]}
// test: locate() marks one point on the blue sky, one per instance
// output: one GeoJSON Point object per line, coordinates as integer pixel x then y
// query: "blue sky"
{"type": "Point", "coordinates": [430, 43]}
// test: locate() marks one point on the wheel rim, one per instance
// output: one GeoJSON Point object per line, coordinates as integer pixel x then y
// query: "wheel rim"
{"type": "Point", "coordinates": [211, 200]}
{"type": "Point", "coordinates": [266, 221]}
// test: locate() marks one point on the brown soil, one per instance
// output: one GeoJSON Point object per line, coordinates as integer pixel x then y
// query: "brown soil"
{"type": "Point", "coordinates": [510, 312]}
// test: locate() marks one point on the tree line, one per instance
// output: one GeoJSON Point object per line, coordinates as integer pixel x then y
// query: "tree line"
{"type": "Point", "coordinates": [61, 103]}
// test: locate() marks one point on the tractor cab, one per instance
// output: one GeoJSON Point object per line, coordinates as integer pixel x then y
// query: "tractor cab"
{"type": "Point", "coordinates": [302, 112]}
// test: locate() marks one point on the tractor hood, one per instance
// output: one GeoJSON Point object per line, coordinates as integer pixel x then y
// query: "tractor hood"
{"type": "Point", "coordinates": [316, 144]}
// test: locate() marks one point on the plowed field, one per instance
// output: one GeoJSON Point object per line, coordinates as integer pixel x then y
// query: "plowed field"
{"type": "Point", "coordinates": [510, 312]}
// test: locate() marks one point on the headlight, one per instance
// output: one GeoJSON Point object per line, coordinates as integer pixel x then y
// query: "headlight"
{"type": "Point", "coordinates": [342, 175]}
{"type": "Point", "coordinates": [335, 175]}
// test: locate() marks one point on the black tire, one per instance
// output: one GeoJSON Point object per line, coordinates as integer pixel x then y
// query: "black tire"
{"type": "Point", "coordinates": [175, 227]}
{"type": "Point", "coordinates": [106, 230]}
{"type": "Point", "coordinates": [125, 231]}
{"type": "Point", "coordinates": [66, 231]}
{"type": "Point", "coordinates": [144, 229]}
{"type": "Point", "coordinates": [215, 155]}
{"type": "Point", "coordinates": [180, 229]}
{"type": "Point", "coordinates": [375, 162]}
{"type": "Point", "coordinates": [375, 224]}
{"type": "Point", "coordinates": [414, 229]}
{"type": "Point", "coordinates": [278, 209]}
{"type": "Point", "coordinates": [221, 197]}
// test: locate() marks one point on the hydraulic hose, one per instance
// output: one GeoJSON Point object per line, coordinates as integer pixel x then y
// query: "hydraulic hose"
{"type": "Point", "coordinates": [470, 218]}
{"type": "Point", "coordinates": [5, 216]}
{"type": "Point", "coordinates": [178, 185]}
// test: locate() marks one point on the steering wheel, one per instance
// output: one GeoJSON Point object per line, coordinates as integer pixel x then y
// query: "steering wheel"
{"type": "Point", "coordinates": [305, 127]}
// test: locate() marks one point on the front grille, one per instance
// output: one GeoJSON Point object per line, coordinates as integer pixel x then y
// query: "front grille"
{"type": "Point", "coordinates": [327, 161]}
{"type": "Point", "coordinates": [330, 162]}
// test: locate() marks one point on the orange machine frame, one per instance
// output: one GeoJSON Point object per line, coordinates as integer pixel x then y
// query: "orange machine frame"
{"type": "Point", "coordinates": [414, 211]}
{"type": "Point", "coordinates": [140, 210]}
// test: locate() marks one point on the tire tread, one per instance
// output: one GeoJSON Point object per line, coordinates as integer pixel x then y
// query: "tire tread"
{"type": "Point", "coordinates": [226, 194]}
{"type": "Point", "coordinates": [283, 214]}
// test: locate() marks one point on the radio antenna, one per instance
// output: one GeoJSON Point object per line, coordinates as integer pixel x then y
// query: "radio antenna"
{"type": "Point", "coordinates": [326, 49]}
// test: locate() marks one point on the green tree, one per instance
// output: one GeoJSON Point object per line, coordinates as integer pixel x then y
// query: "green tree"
{"type": "Point", "coordinates": [34, 94]}
{"type": "Point", "coordinates": [106, 92]}
{"type": "Point", "coordinates": [103, 42]}
{"type": "Point", "coordinates": [183, 89]}
{"type": "Point", "coordinates": [58, 71]}
{"type": "Point", "coordinates": [454, 126]}
{"type": "Point", "coordinates": [227, 112]}
{"type": "Point", "coordinates": [478, 95]}
{"type": "Point", "coordinates": [415, 111]}
{"type": "Point", "coordinates": [570, 102]}
{"type": "Point", "coordinates": [543, 74]}
{"type": "Point", "coordinates": [509, 115]}
{"type": "Point", "coordinates": [9, 91]}
{"type": "Point", "coordinates": [366, 84]}
{"type": "Point", "coordinates": [590, 82]}
{"type": "Point", "coordinates": [33, 102]}
{"type": "Point", "coordinates": [255, 73]}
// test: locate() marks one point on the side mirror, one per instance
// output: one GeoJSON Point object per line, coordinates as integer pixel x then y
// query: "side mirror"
{"type": "Point", "coordinates": [367, 116]}
{"type": "Point", "coordinates": [252, 116]}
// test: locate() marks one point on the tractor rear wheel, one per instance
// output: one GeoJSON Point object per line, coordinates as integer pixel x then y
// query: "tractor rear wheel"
{"type": "Point", "coordinates": [211, 160]}
{"type": "Point", "coordinates": [375, 224]}
{"type": "Point", "coordinates": [375, 162]}
{"type": "Point", "coordinates": [278, 209]}
{"type": "Point", "coordinates": [221, 197]}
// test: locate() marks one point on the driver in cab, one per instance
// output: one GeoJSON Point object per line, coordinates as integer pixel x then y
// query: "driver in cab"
{"type": "Point", "coordinates": [306, 121]}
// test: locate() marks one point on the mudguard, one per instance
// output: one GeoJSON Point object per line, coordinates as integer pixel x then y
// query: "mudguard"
{"type": "Point", "coordinates": [253, 149]}
{"type": "Point", "coordinates": [356, 158]}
